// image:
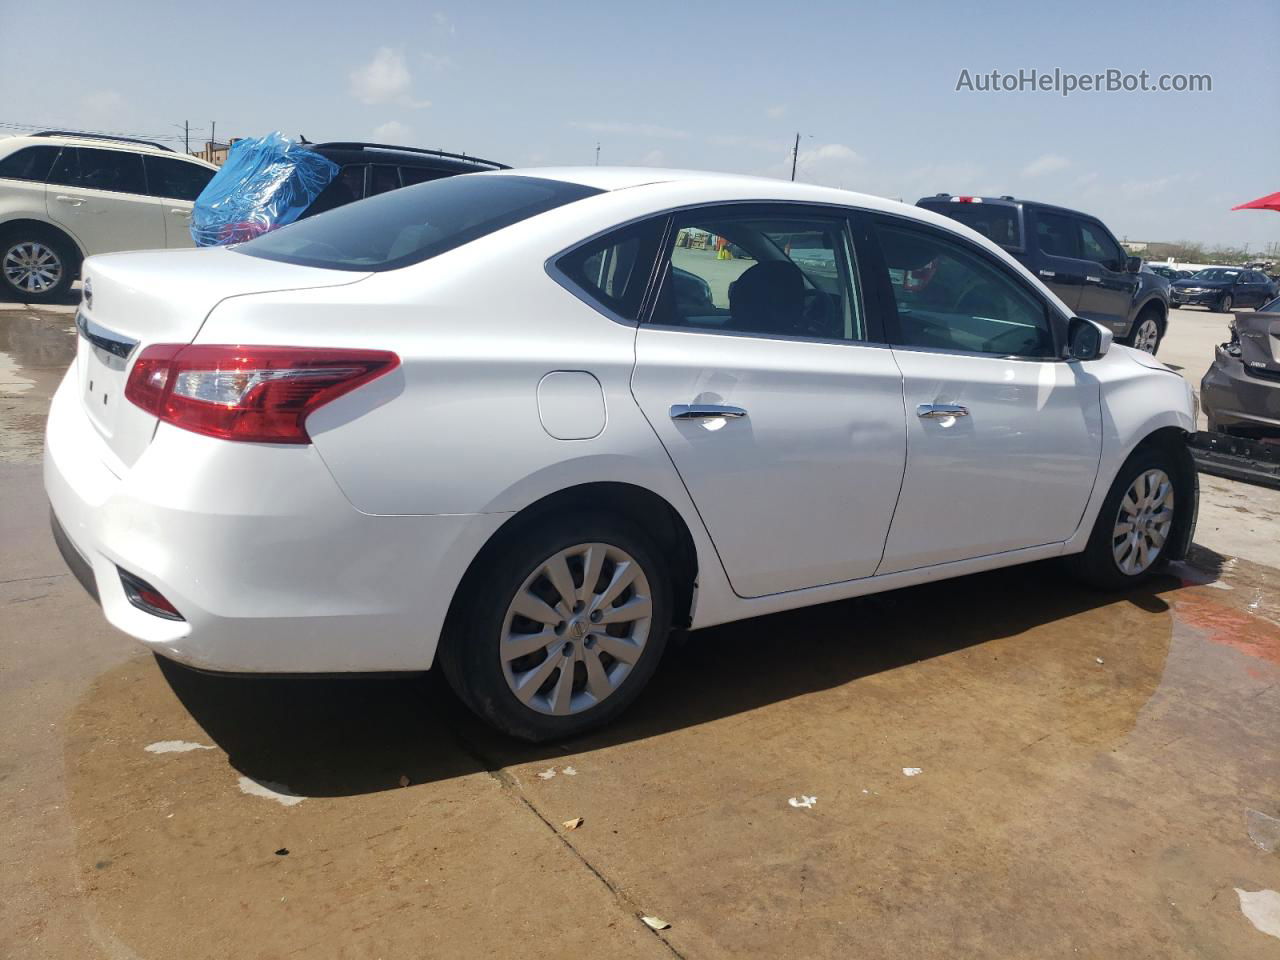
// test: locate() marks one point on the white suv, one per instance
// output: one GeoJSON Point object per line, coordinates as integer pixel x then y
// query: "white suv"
{"type": "Point", "coordinates": [65, 196]}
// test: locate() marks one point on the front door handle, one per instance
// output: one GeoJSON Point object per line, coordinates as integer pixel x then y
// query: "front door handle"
{"type": "Point", "coordinates": [74, 201]}
{"type": "Point", "coordinates": [705, 411]}
{"type": "Point", "coordinates": [179, 212]}
{"type": "Point", "coordinates": [941, 411]}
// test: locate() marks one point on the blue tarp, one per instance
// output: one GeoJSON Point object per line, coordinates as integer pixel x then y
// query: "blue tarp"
{"type": "Point", "coordinates": [265, 183]}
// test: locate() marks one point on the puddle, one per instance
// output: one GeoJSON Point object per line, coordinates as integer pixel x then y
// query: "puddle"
{"type": "Point", "coordinates": [35, 349]}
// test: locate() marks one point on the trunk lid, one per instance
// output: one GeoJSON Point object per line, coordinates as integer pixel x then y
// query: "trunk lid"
{"type": "Point", "coordinates": [1259, 335]}
{"type": "Point", "coordinates": [133, 300]}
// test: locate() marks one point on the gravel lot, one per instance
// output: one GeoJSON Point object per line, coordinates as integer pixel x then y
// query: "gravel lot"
{"type": "Point", "coordinates": [1000, 766]}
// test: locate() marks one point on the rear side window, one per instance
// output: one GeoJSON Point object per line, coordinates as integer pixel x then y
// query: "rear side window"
{"type": "Point", "coordinates": [1057, 235]}
{"type": "Point", "coordinates": [614, 270]}
{"type": "Point", "coordinates": [29, 163]}
{"type": "Point", "coordinates": [92, 169]}
{"type": "Point", "coordinates": [382, 179]}
{"type": "Point", "coordinates": [407, 226]}
{"type": "Point", "coordinates": [175, 178]}
{"type": "Point", "coordinates": [995, 221]}
{"type": "Point", "coordinates": [412, 175]}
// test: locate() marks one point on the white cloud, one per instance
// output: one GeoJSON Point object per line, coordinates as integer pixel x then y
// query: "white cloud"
{"type": "Point", "coordinates": [438, 62]}
{"type": "Point", "coordinates": [385, 79]}
{"type": "Point", "coordinates": [654, 158]}
{"type": "Point", "coordinates": [1144, 188]}
{"type": "Point", "coordinates": [1047, 163]}
{"type": "Point", "coordinates": [103, 103]}
{"type": "Point", "coordinates": [754, 143]}
{"type": "Point", "coordinates": [776, 112]}
{"type": "Point", "coordinates": [443, 22]}
{"type": "Point", "coordinates": [630, 129]}
{"type": "Point", "coordinates": [393, 131]}
{"type": "Point", "coordinates": [831, 164]}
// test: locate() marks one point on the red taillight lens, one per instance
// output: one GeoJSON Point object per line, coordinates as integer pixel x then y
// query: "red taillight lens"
{"type": "Point", "coordinates": [256, 394]}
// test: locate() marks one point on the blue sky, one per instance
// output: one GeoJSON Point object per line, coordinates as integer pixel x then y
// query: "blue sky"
{"type": "Point", "coordinates": [871, 88]}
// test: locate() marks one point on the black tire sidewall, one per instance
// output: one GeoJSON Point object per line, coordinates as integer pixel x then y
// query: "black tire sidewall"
{"type": "Point", "coordinates": [66, 253]}
{"type": "Point", "coordinates": [469, 653]}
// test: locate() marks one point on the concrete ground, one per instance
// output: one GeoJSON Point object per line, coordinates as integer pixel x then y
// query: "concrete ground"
{"type": "Point", "coordinates": [1003, 765]}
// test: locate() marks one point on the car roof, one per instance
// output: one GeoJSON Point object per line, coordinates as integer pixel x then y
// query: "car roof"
{"type": "Point", "coordinates": [1006, 201]}
{"type": "Point", "coordinates": [353, 152]}
{"type": "Point", "coordinates": [58, 139]}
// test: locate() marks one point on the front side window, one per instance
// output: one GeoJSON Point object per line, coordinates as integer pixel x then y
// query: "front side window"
{"type": "Point", "coordinates": [784, 274]}
{"type": "Point", "coordinates": [29, 163]}
{"type": "Point", "coordinates": [407, 226]}
{"type": "Point", "coordinates": [1098, 246]}
{"type": "Point", "coordinates": [175, 178]}
{"type": "Point", "coordinates": [91, 169]}
{"type": "Point", "coordinates": [950, 298]}
{"type": "Point", "coordinates": [614, 270]}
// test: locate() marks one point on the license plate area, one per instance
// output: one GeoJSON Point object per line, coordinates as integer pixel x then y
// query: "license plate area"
{"type": "Point", "coordinates": [102, 358]}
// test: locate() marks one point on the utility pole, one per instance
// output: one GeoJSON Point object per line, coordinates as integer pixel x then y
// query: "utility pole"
{"type": "Point", "coordinates": [795, 156]}
{"type": "Point", "coordinates": [213, 133]}
{"type": "Point", "coordinates": [597, 154]}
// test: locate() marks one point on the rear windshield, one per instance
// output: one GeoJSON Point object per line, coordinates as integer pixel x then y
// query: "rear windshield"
{"type": "Point", "coordinates": [413, 224]}
{"type": "Point", "coordinates": [997, 222]}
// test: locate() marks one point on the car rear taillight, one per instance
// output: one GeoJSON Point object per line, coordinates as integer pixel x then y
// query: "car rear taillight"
{"type": "Point", "coordinates": [256, 394]}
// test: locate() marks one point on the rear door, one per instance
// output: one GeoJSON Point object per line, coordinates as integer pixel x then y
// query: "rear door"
{"type": "Point", "coordinates": [777, 404]}
{"type": "Point", "coordinates": [1109, 289]}
{"type": "Point", "coordinates": [175, 184]}
{"type": "Point", "coordinates": [1003, 438]}
{"type": "Point", "coordinates": [100, 196]}
{"type": "Point", "coordinates": [1058, 263]}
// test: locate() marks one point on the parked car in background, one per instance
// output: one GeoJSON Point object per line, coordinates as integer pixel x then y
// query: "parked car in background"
{"type": "Point", "coordinates": [507, 422]}
{"type": "Point", "coordinates": [1241, 391]}
{"type": "Point", "coordinates": [67, 196]}
{"type": "Point", "coordinates": [1224, 288]}
{"type": "Point", "coordinates": [1076, 257]}
{"type": "Point", "coordinates": [368, 169]}
{"type": "Point", "coordinates": [1169, 273]}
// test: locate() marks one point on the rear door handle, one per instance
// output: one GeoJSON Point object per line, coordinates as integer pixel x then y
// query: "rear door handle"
{"type": "Point", "coordinates": [941, 411]}
{"type": "Point", "coordinates": [74, 201]}
{"type": "Point", "coordinates": [705, 411]}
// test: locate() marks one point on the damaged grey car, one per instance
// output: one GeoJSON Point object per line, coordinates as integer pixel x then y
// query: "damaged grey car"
{"type": "Point", "coordinates": [1241, 392]}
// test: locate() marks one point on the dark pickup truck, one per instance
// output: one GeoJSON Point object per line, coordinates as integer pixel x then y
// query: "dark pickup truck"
{"type": "Point", "coordinates": [1076, 257]}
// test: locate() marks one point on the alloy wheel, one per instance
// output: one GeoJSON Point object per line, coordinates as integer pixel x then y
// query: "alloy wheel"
{"type": "Point", "coordinates": [31, 267]}
{"type": "Point", "coordinates": [1143, 522]}
{"type": "Point", "coordinates": [576, 628]}
{"type": "Point", "coordinates": [1147, 336]}
{"type": "Point", "coordinates": [1227, 304]}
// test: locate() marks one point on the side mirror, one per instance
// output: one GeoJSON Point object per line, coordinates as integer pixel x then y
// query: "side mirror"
{"type": "Point", "coordinates": [1132, 264]}
{"type": "Point", "coordinates": [1086, 340]}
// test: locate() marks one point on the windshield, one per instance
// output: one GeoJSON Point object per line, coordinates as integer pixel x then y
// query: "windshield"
{"type": "Point", "coordinates": [1216, 275]}
{"type": "Point", "coordinates": [413, 224]}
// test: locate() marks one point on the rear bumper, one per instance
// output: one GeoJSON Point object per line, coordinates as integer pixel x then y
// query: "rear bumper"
{"type": "Point", "coordinates": [1232, 397]}
{"type": "Point", "coordinates": [270, 566]}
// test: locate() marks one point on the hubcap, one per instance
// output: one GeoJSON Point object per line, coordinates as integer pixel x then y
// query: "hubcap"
{"type": "Point", "coordinates": [1148, 336]}
{"type": "Point", "coordinates": [576, 628]}
{"type": "Point", "coordinates": [32, 267]}
{"type": "Point", "coordinates": [1143, 522]}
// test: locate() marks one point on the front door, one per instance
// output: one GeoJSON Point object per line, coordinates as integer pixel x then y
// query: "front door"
{"type": "Point", "coordinates": [100, 196]}
{"type": "Point", "coordinates": [1057, 262]}
{"type": "Point", "coordinates": [1109, 289]}
{"type": "Point", "coordinates": [783, 419]}
{"type": "Point", "coordinates": [1003, 438]}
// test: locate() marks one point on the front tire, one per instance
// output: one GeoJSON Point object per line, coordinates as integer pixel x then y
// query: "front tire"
{"type": "Point", "coordinates": [1146, 333]}
{"type": "Point", "coordinates": [557, 631]}
{"type": "Point", "coordinates": [1135, 527]}
{"type": "Point", "coordinates": [36, 266]}
{"type": "Point", "coordinates": [1225, 304]}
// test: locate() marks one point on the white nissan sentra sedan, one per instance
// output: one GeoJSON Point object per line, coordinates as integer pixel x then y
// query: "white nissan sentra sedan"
{"type": "Point", "coordinates": [524, 423]}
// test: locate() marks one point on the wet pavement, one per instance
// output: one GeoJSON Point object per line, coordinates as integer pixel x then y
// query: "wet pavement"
{"type": "Point", "coordinates": [1003, 765]}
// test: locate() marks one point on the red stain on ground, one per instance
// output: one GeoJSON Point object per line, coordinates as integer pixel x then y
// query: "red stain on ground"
{"type": "Point", "coordinates": [1230, 627]}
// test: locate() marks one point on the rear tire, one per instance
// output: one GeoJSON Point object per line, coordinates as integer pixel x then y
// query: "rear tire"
{"type": "Point", "coordinates": [565, 665]}
{"type": "Point", "coordinates": [1135, 528]}
{"type": "Point", "coordinates": [1225, 304]}
{"type": "Point", "coordinates": [37, 265]}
